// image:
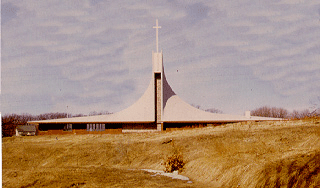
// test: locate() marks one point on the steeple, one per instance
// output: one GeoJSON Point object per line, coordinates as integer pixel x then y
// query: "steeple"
{"type": "Point", "coordinates": [157, 80]}
{"type": "Point", "coordinates": [157, 39]}
{"type": "Point", "coordinates": [156, 56]}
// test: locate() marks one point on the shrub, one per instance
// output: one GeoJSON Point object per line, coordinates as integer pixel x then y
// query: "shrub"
{"type": "Point", "coordinates": [174, 162]}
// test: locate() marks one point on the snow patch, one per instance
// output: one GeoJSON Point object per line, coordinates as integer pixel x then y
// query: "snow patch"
{"type": "Point", "coordinates": [173, 175]}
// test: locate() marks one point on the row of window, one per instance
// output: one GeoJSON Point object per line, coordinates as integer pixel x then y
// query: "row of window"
{"type": "Point", "coordinates": [96, 127]}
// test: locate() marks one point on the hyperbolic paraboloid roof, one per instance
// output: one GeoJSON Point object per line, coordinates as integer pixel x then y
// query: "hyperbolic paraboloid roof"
{"type": "Point", "coordinates": [173, 109]}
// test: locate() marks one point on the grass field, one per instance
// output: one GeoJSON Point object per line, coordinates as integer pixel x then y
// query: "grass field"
{"type": "Point", "coordinates": [265, 154]}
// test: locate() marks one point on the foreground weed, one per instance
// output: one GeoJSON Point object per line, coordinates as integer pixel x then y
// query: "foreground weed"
{"type": "Point", "coordinates": [174, 162]}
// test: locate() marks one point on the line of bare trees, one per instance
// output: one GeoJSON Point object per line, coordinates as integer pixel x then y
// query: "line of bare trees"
{"type": "Point", "coordinates": [211, 110]}
{"type": "Point", "coordinates": [266, 111]}
{"type": "Point", "coordinates": [275, 112]}
{"type": "Point", "coordinates": [11, 121]}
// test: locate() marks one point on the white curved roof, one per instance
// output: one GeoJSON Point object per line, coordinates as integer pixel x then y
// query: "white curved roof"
{"type": "Point", "coordinates": [177, 110]}
{"type": "Point", "coordinates": [140, 112]}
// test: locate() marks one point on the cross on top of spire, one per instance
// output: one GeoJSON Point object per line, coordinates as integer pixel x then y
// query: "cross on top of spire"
{"type": "Point", "coordinates": [157, 27]}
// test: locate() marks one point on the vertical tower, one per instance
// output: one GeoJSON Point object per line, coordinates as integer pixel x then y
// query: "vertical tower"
{"type": "Point", "coordinates": [157, 60]}
{"type": "Point", "coordinates": [158, 89]}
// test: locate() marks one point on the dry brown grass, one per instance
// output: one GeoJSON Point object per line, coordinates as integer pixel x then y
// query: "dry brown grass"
{"type": "Point", "coordinates": [267, 154]}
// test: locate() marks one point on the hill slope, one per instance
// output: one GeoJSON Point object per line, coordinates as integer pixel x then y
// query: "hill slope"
{"type": "Point", "coordinates": [268, 154]}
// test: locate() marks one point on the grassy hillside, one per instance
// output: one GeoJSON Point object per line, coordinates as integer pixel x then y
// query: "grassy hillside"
{"type": "Point", "coordinates": [267, 154]}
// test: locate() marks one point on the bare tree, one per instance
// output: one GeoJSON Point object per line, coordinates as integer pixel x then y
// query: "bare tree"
{"type": "Point", "coordinates": [300, 114]}
{"type": "Point", "coordinates": [78, 115]}
{"type": "Point", "coordinates": [266, 111]}
{"type": "Point", "coordinates": [196, 106]}
{"type": "Point", "coordinates": [11, 121]}
{"type": "Point", "coordinates": [211, 110]}
{"type": "Point", "coordinates": [315, 108]}
{"type": "Point", "coordinates": [214, 110]}
{"type": "Point", "coordinates": [94, 113]}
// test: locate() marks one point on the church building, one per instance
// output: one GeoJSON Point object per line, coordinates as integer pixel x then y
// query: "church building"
{"type": "Point", "coordinates": [158, 108]}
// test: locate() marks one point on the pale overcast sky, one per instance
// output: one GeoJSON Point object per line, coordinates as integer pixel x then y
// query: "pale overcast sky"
{"type": "Point", "coordinates": [95, 55]}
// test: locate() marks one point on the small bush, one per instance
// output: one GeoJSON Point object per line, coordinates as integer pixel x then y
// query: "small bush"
{"type": "Point", "coordinates": [174, 162]}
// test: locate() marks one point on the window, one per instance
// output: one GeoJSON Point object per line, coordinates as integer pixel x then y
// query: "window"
{"type": "Point", "coordinates": [67, 127]}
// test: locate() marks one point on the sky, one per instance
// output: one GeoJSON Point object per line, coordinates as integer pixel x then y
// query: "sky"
{"type": "Point", "coordinates": [80, 56]}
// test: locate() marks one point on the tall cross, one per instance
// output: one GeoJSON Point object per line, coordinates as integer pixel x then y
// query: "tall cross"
{"type": "Point", "coordinates": [157, 27]}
